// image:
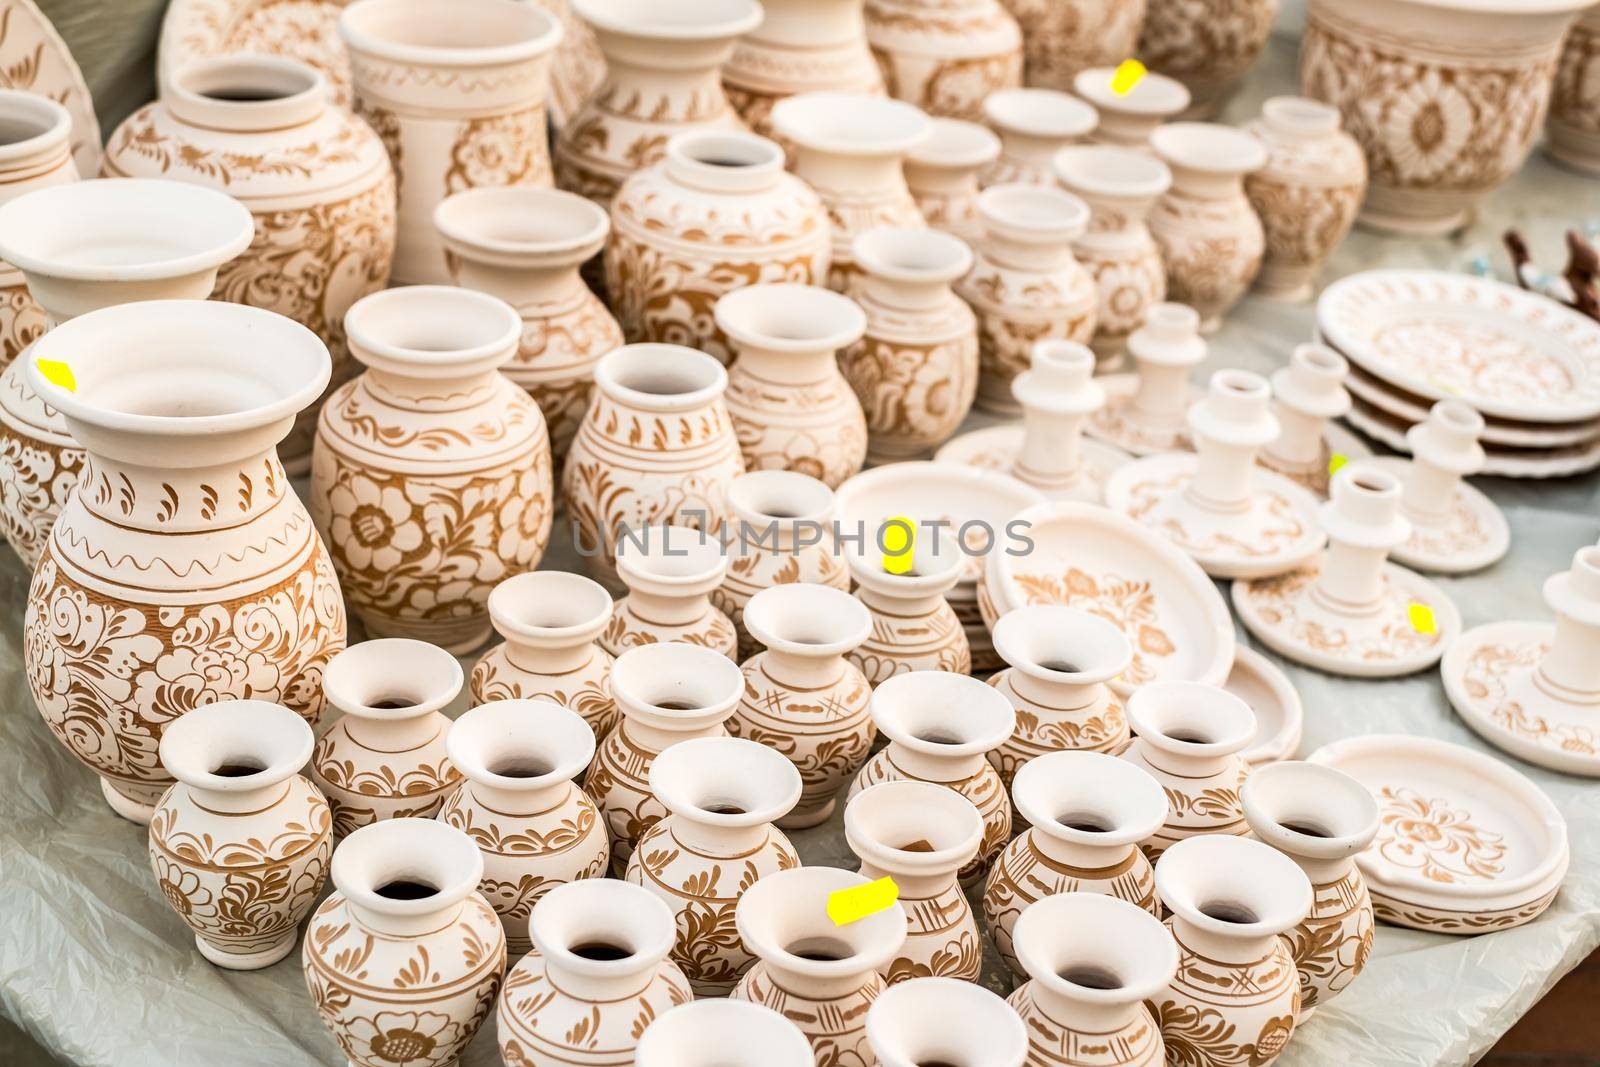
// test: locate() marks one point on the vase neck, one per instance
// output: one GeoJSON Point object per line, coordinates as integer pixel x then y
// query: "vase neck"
{"type": "Point", "coordinates": [803, 671]}
{"type": "Point", "coordinates": [1321, 872]}
{"type": "Point", "coordinates": [654, 739]}
{"type": "Point", "coordinates": [716, 841]}
{"type": "Point", "coordinates": [1206, 185]}
{"type": "Point", "coordinates": [816, 988]}
{"type": "Point", "coordinates": [925, 767]}
{"type": "Point", "coordinates": [1057, 696]}
{"type": "Point", "coordinates": [395, 735]}
{"type": "Point", "coordinates": [901, 607]}
{"type": "Point", "coordinates": [431, 394]}
{"type": "Point", "coordinates": [1299, 437]}
{"type": "Point", "coordinates": [903, 295]}
{"type": "Point", "coordinates": [655, 80]}
{"type": "Point", "coordinates": [1079, 854]}
{"type": "Point", "coordinates": [178, 498]}
{"type": "Point", "coordinates": [811, 24]}
{"type": "Point", "coordinates": [786, 368]}
{"type": "Point", "coordinates": [405, 925]}
{"type": "Point", "coordinates": [1227, 949]}
{"type": "Point", "coordinates": [1026, 255]}
{"type": "Point", "coordinates": [538, 289]}
{"type": "Point", "coordinates": [549, 659]}
{"type": "Point", "coordinates": [242, 803]}
{"type": "Point", "coordinates": [522, 802]}
{"type": "Point", "coordinates": [668, 610]}
{"type": "Point", "coordinates": [1083, 1017]}
{"type": "Point", "coordinates": [854, 179]}
{"type": "Point", "coordinates": [1163, 390]}
{"type": "Point", "coordinates": [1183, 765]}
{"type": "Point", "coordinates": [913, 886]}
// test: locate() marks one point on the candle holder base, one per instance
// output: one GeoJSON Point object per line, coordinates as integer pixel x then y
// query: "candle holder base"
{"type": "Point", "coordinates": [1474, 535]}
{"type": "Point", "coordinates": [996, 448]}
{"type": "Point", "coordinates": [1120, 424]}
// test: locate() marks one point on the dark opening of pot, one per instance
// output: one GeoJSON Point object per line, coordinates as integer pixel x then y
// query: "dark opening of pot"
{"type": "Point", "coordinates": [1193, 737]}
{"type": "Point", "coordinates": [921, 844]}
{"type": "Point", "coordinates": [723, 807]}
{"type": "Point", "coordinates": [601, 951]}
{"type": "Point", "coordinates": [1229, 912]}
{"type": "Point", "coordinates": [392, 703]}
{"type": "Point", "coordinates": [1305, 827]}
{"type": "Point", "coordinates": [678, 705]}
{"type": "Point", "coordinates": [238, 768]}
{"type": "Point", "coordinates": [522, 767]}
{"type": "Point", "coordinates": [939, 737]}
{"type": "Point", "coordinates": [1086, 822]}
{"type": "Point", "coordinates": [1064, 666]}
{"type": "Point", "coordinates": [821, 949]}
{"type": "Point", "coordinates": [406, 889]}
{"type": "Point", "coordinates": [1091, 977]}
{"type": "Point", "coordinates": [242, 94]}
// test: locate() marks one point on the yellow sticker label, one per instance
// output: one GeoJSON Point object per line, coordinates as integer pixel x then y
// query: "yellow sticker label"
{"type": "Point", "coordinates": [1130, 73]}
{"type": "Point", "coordinates": [1422, 619]}
{"type": "Point", "coordinates": [57, 373]}
{"type": "Point", "coordinates": [845, 906]}
{"type": "Point", "coordinates": [1335, 461]}
{"type": "Point", "coordinates": [899, 541]}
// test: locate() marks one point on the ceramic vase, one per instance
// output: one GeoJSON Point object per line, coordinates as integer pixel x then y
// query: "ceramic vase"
{"type": "Point", "coordinates": [942, 173]}
{"type": "Point", "coordinates": [1086, 814]}
{"type": "Point", "coordinates": [914, 628]}
{"type": "Point", "coordinates": [578, 67]}
{"type": "Point", "coordinates": [1033, 124]}
{"type": "Point", "coordinates": [1059, 663]}
{"type": "Point", "coordinates": [723, 795]}
{"type": "Point", "coordinates": [36, 155]}
{"type": "Point", "coordinates": [457, 112]}
{"type": "Point", "coordinates": [1307, 195]}
{"type": "Point", "coordinates": [316, 179]}
{"type": "Point", "coordinates": [920, 835]}
{"type": "Point", "coordinates": [718, 213]}
{"type": "Point", "coordinates": [40, 463]}
{"type": "Point", "coordinates": [723, 1033]}
{"type": "Point", "coordinates": [1062, 37]}
{"type": "Point", "coordinates": [1321, 819]}
{"type": "Point", "coordinates": [1211, 238]}
{"type": "Point", "coordinates": [849, 147]}
{"type": "Point", "coordinates": [944, 1020]}
{"type": "Point", "coordinates": [183, 570]}
{"type": "Point", "coordinates": [915, 368]}
{"type": "Point", "coordinates": [406, 893]}
{"type": "Point", "coordinates": [1208, 45]}
{"type": "Point", "coordinates": [800, 46]}
{"type": "Point", "coordinates": [1236, 993]}
{"type": "Point", "coordinates": [534, 828]}
{"type": "Point", "coordinates": [1092, 964]}
{"type": "Point", "coordinates": [791, 408]}
{"type": "Point", "coordinates": [525, 246]}
{"type": "Point", "coordinates": [431, 475]}
{"type": "Point", "coordinates": [945, 56]}
{"type": "Point", "coordinates": [552, 622]}
{"type": "Point", "coordinates": [656, 446]}
{"type": "Point", "coordinates": [1128, 118]}
{"type": "Point", "coordinates": [1025, 285]}
{"type": "Point", "coordinates": [241, 827]}
{"type": "Point", "coordinates": [661, 79]}
{"type": "Point", "coordinates": [822, 975]}
{"type": "Point", "coordinates": [670, 572]}
{"type": "Point", "coordinates": [941, 729]}
{"type": "Point", "coordinates": [801, 696]}
{"type": "Point", "coordinates": [1572, 132]}
{"type": "Point", "coordinates": [667, 694]}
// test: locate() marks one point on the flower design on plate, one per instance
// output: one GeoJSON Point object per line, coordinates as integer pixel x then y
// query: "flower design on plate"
{"type": "Point", "coordinates": [1439, 841]}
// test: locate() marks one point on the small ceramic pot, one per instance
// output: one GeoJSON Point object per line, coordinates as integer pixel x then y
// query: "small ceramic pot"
{"type": "Point", "coordinates": [920, 835]}
{"type": "Point", "coordinates": [406, 955]}
{"type": "Point", "coordinates": [941, 728]}
{"type": "Point", "coordinates": [1572, 133]}
{"type": "Point", "coordinates": [598, 973]}
{"type": "Point", "coordinates": [551, 622]}
{"type": "Point", "coordinates": [656, 446]}
{"type": "Point", "coordinates": [1093, 962]}
{"type": "Point", "coordinates": [1033, 124]}
{"type": "Point", "coordinates": [849, 148]}
{"type": "Point", "coordinates": [723, 1033]}
{"type": "Point", "coordinates": [716, 214]}
{"type": "Point", "coordinates": [915, 369]}
{"type": "Point", "coordinates": [1211, 239]}
{"type": "Point", "coordinates": [431, 475]}
{"type": "Point", "coordinates": [1189, 738]}
{"type": "Point", "coordinates": [525, 246]}
{"type": "Point", "coordinates": [1320, 818]}
{"type": "Point", "coordinates": [1127, 119]}
{"type": "Point", "coordinates": [944, 1020]}
{"type": "Point", "coordinates": [240, 846]}
{"type": "Point", "coordinates": [1236, 992]}
{"type": "Point", "coordinates": [1060, 38]}
{"type": "Point", "coordinates": [459, 112]}
{"type": "Point", "coordinates": [945, 56]}
{"type": "Point", "coordinates": [822, 975]}
{"type": "Point", "coordinates": [1307, 195]}
{"type": "Point", "coordinates": [36, 155]}
{"type": "Point", "coordinates": [1086, 814]}
{"type": "Point", "coordinates": [800, 46]}
{"type": "Point", "coordinates": [791, 408]}
{"type": "Point", "coordinates": [385, 758]}
{"type": "Point", "coordinates": [723, 795]}
{"type": "Point", "coordinates": [1059, 661]}
{"type": "Point", "coordinates": [1208, 45]}
{"type": "Point", "coordinates": [942, 174]}
{"type": "Point", "coordinates": [1025, 284]}
{"type": "Point", "coordinates": [801, 696]}
{"type": "Point", "coordinates": [535, 829]}
{"type": "Point", "coordinates": [667, 694]}
{"type": "Point", "coordinates": [914, 628]}
{"type": "Point", "coordinates": [670, 572]}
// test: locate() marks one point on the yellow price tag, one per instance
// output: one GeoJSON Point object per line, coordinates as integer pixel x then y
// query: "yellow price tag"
{"type": "Point", "coordinates": [1422, 619]}
{"type": "Point", "coordinates": [1336, 461]}
{"type": "Point", "coordinates": [899, 545]}
{"type": "Point", "coordinates": [845, 906]}
{"type": "Point", "coordinates": [57, 373]}
{"type": "Point", "coordinates": [1130, 73]}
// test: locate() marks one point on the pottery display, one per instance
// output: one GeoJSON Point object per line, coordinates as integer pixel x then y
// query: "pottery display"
{"type": "Point", "coordinates": [1025, 285]}
{"type": "Point", "coordinates": [597, 975]}
{"type": "Point", "coordinates": [1280, 714]}
{"type": "Point", "coordinates": [1033, 124]}
{"type": "Point", "coordinates": [1452, 120]}
{"type": "Point", "coordinates": [801, 697]}
{"type": "Point", "coordinates": [722, 794]}
{"type": "Point", "coordinates": [716, 213]}
{"type": "Point", "coordinates": [1320, 818]}
{"type": "Point", "coordinates": [552, 622]}
{"type": "Point", "coordinates": [670, 572]}
{"type": "Point", "coordinates": [1086, 813]}
{"type": "Point", "coordinates": [431, 474]}
{"type": "Point", "coordinates": [1061, 38]}
{"type": "Point", "coordinates": [316, 179]}
{"type": "Point", "coordinates": [459, 112]}
{"type": "Point", "coordinates": [36, 60]}
{"type": "Point", "coordinates": [1307, 395]}
{"type": "Point", "coordinates": [1210, 236]}
{"type": "Point", "coordinates": [722, 1033]}
{"type": "Point", "coordinates": [535, 828]}
{"type": "Point", "coordinates": [914, 628]}
{"type": "Point", "coordinates": [1517, 461]}
{"type": "Point", "coordinates": [406, 955]}
{"type": "Point", "coordinates": [915, 369]}
{"type": "Point", "coordinates": [942, 173]}
{"type": "Point", "coordinates": [944, 1020]}
{"type": "Point", "coordinates": [791, 407]}
{"type": "Point", "coordinates": [1349, 611]}
{"type": "Point", "coordinates": [920, 835]}
{"type": "Point", "coordinates": [1147, 411]}
{"type": "Point", "coordinates": [1572, 132]}
{"type": "Point", "coordinates": [1094, 966]}
{"type": "Point", "coordinates": [386, 756]}
{"type": "Point", "coordinates": [35, 155]}
{"type": "Point", "coordinates": [1127, 119]}
{"type": "Point", "coordinates": [945, 56]}
{"type": "Point", "coordinates": [240, 846]}
{"type": "Point", "coordinates": [185, 566]}
{"type": "Point", "coordinates": [1208, 45]}
{"type": "Point", "coordinates": [1307, 195]}
{"type": "Point", "coordinates": [1236, 992]}
{"type": "Point", "coordinates": [799, 47]}
{"type": "Point", "coordinates": [525, 246]}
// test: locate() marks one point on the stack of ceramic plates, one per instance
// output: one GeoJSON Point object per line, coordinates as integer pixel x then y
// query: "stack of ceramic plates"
{"type": "Point", "coordinates": [1529, 365]}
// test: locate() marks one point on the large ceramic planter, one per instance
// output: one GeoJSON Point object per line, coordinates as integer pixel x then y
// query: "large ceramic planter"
{"type": "Point", "coordinates": [316, 180]}
{"type": "Point", "coordinates": [1062, 37]}
{"type": "Point", "coordinates": [800, 46]}
{"type": "Point", "coordinates": [1572, 134]}
{"type": "Point", "coordinates": [945, 56]}
{"type": "Point", "coordinates": [456, 110]}
{"type": "Point", "coordinates": [1208, 45]}
{"type": "Point", "coordinates": [185, 571]}
{"type": "Point", "coordinates": [36, 154]}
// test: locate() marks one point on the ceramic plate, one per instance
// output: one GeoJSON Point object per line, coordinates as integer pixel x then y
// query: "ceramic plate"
{"type": "Point", "coordinates": [1475, 536]}
{"type": "Point", "coordinates": [307, 30]}
{"type": "Point", "coordinates": [1465, 844]}
{"type": "Point", "coordinates": [1499, 462]}
{"type": "Point", "coordinates": [33, 57]}
{"type": "Point", "coordinates": [1259, 682]}
{"type": "Point", "coordinates": [997, 447]}
{"type": "Point", "coordinates": [1507, 352]}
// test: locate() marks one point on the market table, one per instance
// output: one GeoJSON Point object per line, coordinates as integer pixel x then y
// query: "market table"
{"type": "Point", "coordinates": [97, 970]}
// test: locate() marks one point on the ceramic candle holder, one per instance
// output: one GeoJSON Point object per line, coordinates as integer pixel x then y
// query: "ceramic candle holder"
{"type": "Point", "coordinates": [1060, 38]}
{"type": "Point", "coordinates": [723, 1033]}
{"type": "Point", "coordinates": [1127, 119]}
{"type": "Point", "coordinates": [942, 173]}
{"type": "Point", "coordinates": [944, 1020]}
{"type": "Point", "coordinates": [670, 572]}
{"type": "Point", "coordinates": [945, 57]}
{"type": "Point", "coordinates": [800, 46]}
{"type": "Point", "coordinates": [1147, 411]}
{"type": "Point", "coordinates": [1033, 124]}
{"type": "Point", "coordinates": [914, 628]}
{"type": "Point", "coordinates": [1308, 394]}
{"type": "Point", "coordinates": [1208, 46]}
{"type": "Point", "coordinates": [36, 155]}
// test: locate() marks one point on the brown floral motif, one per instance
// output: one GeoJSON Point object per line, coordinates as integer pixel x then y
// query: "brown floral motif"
{"type": "Point", "coordinates": [1018, 308]}
{"type": "Point", "coordinates": [307, 30]}
{"type": "Point", "coordinates": [835, 1026]}
{"type": "Point", "coordinates": [1485, 679]}
{"type": "Point", "coordinates": [1303, 222]}
{"type": "Point", "coordinates": [555, 363]}
{"type": "Point", "coordinates": [35, 478]}
{"type": "Point", "coordinates": [815, 428]}
{"type": "Point", "coordinates": [540, 1023]}
{"type": "Point", "coordinates": [626, 630]}
{"type": "Point", "coordinates": [1228, 1014]}
{"type": "Point", "coordinates": [619, 783]}
{"type": "Point", "coordinates": [914, 393]}
{"type": "Point", "coordinates": [1332, 945]}
{"type": "Point", "coordinates": [1130, 604]}
{"type": "Point", "coordinates": [1212, 248]}
{"type": "Point", "coordinates": [1475, 921]}
{"type": "Point", "coordinates": [1439, 842]}
{"type": "Point", "coordinates": [305, 160]}
{"type": "Point", "coordinates": [583, 690]}
{"type": "Point", "coordinates": [33, 59]}
{"type": "Point", "coordinates": [899, 644]}
{"type": "Point", "coordinates": [386, 124]}
{"type": "Point", "coordinates": [1137, 1044]}
{"type": "Point", "coordinates": [1276, 527]}
{"type": "Point", "coordinates": [379, 792]}
{"type": "Point", "coordinates": [1101, 726]}
{"type": "Point", "coordinates": [1206, 43]}
{"type": "Point", "coordinates": [500, 150]}
{"type": "Point", "coordinates": [1278, 603]}
{"type": "Point", "coordinates": [1575, 98]}
{"type": "Point", "coordinates": [22, 321]}
{"type": "Point", "coordinates": [945, 57]}
{"type": "Point", "coordinates": [941, 939]}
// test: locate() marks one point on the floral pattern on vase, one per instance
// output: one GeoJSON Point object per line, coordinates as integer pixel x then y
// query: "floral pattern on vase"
{"type": "Point", "coordinates": [945, 56]}
{"type": "Point", "coordinates": [1062, 37]}
{"type": "Point", "coordinates": [1208, 45]}
{"type": "Point", "coordinates": [36, 155]}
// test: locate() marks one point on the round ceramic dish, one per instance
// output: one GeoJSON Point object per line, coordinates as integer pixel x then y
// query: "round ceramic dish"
{"type": "Point", "coordinates": [1280, 717]}
{"type": "Point", "coordinates": [1475, 536]}
{"type": "Point", "coordinates": [1117, 424]}
{"type": "Point", "coordinates": [34, 58]}
{"type": "Point", "coordinates": [1498, 462]}
{"type": "Point", "coordinates": [996, 448]}
{"type": "Point", "coordinates": [1465, 844]}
